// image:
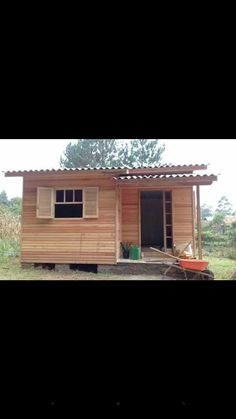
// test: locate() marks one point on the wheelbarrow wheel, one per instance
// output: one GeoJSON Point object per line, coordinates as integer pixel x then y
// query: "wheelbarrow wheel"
{"type": "Point", "coordinates": [174, 271]}
{"type": "Point", "coordinates": [207, 275]}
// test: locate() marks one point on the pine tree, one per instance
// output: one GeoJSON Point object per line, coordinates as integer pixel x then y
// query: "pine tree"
{"type": "Point", "coordinates": [144, 152]}
{"type": "Point", "coordinates": [206, 211]}
{"type": "Point", "coordinates": [3, 198]}
{"type": "Point", "coordinates": [90, 153]}
{"type": "Point", "coordinates": [112, 153]}
{"type": "Point", "coordinates": [224, 206]}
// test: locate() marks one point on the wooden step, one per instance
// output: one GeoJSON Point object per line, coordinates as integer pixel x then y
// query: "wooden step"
{"type": "Point", "coordinates": [153, 255]}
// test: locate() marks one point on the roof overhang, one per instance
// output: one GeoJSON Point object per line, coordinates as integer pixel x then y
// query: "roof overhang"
{"type": "Point", "coordinates": [177, 180]}
{"type": "Point", "coordinates": [161, 170]}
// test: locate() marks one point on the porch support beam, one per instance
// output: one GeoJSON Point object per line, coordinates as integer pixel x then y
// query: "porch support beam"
{"type": "Point", "coordinates": [199, 225]}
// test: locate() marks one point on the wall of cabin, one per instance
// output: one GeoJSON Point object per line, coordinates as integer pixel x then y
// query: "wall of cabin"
{"type": "Point", "coordinates": [130, 210]}
{"type": "Point", "coordinates": [68, 240]}
{"type": "Point", "coordinates": [183, 218]}
{"type": "Point", "coordinates": [93, 240]}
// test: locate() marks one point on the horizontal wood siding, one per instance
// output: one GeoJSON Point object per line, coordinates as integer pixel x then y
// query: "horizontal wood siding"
{"type": "Point", "coordinates": [130, 215]}
{"type": "Point", "coordinates": [87, 240]}
{"type": "Point", "coordinates": [182, 215]}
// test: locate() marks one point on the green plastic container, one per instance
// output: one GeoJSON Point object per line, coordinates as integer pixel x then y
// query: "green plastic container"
{"type": "Point", "coordinates": [135, 252]}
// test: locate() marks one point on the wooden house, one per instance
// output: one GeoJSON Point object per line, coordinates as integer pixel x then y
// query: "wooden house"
{"type": "Point", "coordinates": [74, 216]}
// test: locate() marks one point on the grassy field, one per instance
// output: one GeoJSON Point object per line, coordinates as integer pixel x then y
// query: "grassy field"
{"type": "Point", "coordinates": [10, 268]}
{"type": "Point", "coordinates": [222, 267]}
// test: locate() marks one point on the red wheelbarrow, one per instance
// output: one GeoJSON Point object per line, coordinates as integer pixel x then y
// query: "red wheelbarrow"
{"type": "Point", "coordinates": [186, 268]}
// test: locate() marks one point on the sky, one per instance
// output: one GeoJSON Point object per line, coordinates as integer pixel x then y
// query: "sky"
{"type": "Point", "coordinates": [220, 156]}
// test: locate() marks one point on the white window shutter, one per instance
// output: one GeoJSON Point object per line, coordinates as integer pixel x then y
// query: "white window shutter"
{"type": "Point", "coordinates": [90, 202]}
{"type": "Point", "coordinates": [45, 202]}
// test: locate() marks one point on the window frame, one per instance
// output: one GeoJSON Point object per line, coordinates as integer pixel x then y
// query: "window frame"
{"type": "Point", "coordinates": [69, 203]}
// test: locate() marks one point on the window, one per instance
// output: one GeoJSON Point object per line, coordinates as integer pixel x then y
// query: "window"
{"type": "Point", "coordinates": [69, 203]}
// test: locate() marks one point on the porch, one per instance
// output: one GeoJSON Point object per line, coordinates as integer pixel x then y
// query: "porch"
{"type": "Point", "coordinates": [163, 218]}
{"type": "Point", "coordinates": [147, 256]}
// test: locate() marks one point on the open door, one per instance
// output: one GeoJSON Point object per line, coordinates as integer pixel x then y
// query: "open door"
{"type": "Point", "coordinates": [152, 226]}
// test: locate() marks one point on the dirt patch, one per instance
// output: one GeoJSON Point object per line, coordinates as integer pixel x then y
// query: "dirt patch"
{"type": "Point", "coordinates": [133, 269]}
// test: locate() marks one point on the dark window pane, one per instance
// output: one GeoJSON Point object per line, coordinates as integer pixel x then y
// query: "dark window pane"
{"type": "Point", "coordinates": [59, 196]}
{"type": "Point", "coordinates": [69, 196]}
{"type": "Point", "coordinates": [68, 211]}
{"type": "Point", "coordinates": [78, 195]}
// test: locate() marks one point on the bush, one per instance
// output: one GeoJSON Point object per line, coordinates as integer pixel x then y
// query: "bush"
{"type": "Point", "coordinates": [214, 238]}
{"type": "Point", "coordinates": [232, 234]}
{"type": "Point", "coordinates": [232, 254]}
{"type": "Point", "coordinates": [9, 225]}
{"type": "Point", "coordinates": [9, 232]}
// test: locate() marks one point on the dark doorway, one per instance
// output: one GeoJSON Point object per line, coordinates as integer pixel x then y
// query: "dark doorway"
{"type": "Point", "coordinates": [152, 219]}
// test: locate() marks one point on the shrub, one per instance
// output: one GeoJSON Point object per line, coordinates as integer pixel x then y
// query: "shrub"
{"type": "Point", "coordinates": [232, 234]}
{"type": "Point", "coordinates": [213, 237]}
{"type": "Point", "coordinates": [9, 225]}
{"type": "Point", "coordinates": [9, 232]}
{"type": "Point", "coordinates": [232, 254]}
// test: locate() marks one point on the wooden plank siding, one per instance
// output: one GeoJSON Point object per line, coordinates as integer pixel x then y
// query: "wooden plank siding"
{"type": "Point", "coordinates": [130, 215]}
{"type": "Point", "coordinates": [182, 215]}
{"type": "Point", "coordinates": [85, 240]}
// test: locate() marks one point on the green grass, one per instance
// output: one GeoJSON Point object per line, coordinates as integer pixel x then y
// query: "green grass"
{"type": "Point", "coordinates": [9, 247]}
{"type": "Point", "coordinates": [222, 267]}
{"type": "Point", "coordinates": [10, 268]}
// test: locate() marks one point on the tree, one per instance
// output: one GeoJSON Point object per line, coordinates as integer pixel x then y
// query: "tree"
{"type": "Point", "coordinates": [206, 211]}
{"type": "Point", "coordinates": [218, 222]}
{"type": "Point", "coordinates": [90, 153]}
{"type": "Point", "coordinates": [224, 206]}
{"type": "Point", "coordinates": [3, 198]}
{"type": "Point", "coordinates": [111, 153]}
{"type": "Point", "coordinates": [141, 153]}
{"type": "Point", "coordinates": [232, 234]}
{"type": "Point", "coordinates": [15, 205]}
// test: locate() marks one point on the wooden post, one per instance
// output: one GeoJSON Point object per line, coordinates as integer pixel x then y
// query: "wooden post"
{"type": "Point", "coordinates": [164, 219]}
{"type": "Point", "coordinates": [194, 210]}
{"type": "Point", "coordinates": [199, 226]}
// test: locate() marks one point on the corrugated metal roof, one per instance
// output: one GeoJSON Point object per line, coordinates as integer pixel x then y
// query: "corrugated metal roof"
{"type": "Point", "coordinates": [136, 177]}
{"type": "Point", "coordinates": [109, 168]}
